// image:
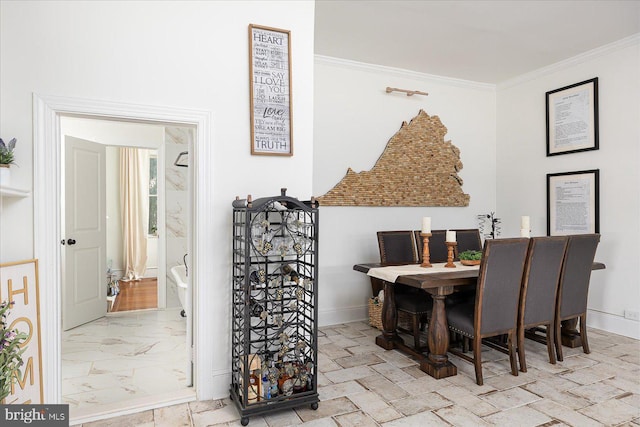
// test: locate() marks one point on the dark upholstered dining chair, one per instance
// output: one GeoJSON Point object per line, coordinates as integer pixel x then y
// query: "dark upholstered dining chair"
{"type": "Point", "coordinates": [400, 247]}
{"type": "Point", "coordinates": [437, 247]}
{"type": "Point", "coordinates": [574, 286]}
{"type": "Point", "coordinates": [539, 291]}
{"type": "Point", "coordinates": [468, 240]}
{"type": "Point", "coordinates": [495, 309]}
{"type": "Point", "coordinates": [397, 247]}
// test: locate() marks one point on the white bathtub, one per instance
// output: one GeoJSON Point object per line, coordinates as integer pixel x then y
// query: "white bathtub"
{"type": "Point", "coordinates": [179, 273]}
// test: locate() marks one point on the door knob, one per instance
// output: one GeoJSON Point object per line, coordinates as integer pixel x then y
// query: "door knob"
{"type": "Point", "coordinates": [71, 242]}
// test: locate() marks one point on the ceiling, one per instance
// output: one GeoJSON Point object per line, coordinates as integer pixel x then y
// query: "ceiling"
{"type": "Point", "coordinates": [482, 41]}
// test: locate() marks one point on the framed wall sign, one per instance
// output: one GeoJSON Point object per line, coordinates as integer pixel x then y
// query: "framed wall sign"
{"type": "Point", "coordinates": [270, 82]}
{"type": "Point", "coordinates": [572, 118]}
{"type": "Point", "coordinates": [573, 200]}
{"type": "Point", "coordinates": [19, 283]}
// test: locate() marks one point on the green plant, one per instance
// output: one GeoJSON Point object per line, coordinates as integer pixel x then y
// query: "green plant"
{"type": "Point", "coordinates": [470, 255]}
{"type": "Point", "coordinates": [6, 152]}
{"type": "Point", "coordinates": [10, 351]}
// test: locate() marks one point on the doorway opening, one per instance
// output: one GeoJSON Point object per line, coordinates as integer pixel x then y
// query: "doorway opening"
{"type": "Point", "coordinates": [48, 210]}
{"type": "Point", "coordinates": [120, 216]}
{"type": "Point", "coordinates": [115, 210]}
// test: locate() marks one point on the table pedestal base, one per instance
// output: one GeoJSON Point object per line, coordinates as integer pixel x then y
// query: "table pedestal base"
{"type": "Point", "coordinates": [437, 363]}
{"type": "Point", "coordinates": [570, 337]}
{"type": "Point", "coordinates": [388, 343]}
{"type": "Point", "coordinates": [438, 370]}
{"type": "Point", "coordinates": [389, 338]}
{"type": "Point", "coordinates": [571, 341]}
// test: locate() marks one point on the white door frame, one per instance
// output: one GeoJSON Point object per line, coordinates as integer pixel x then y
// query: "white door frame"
{"type": "Point", "coordinates": [47, 213]}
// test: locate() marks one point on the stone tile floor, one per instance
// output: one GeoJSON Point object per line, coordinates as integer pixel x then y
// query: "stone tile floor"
{"type": "Point", "coordinates": [124, 357]}
{"type": "Point", "coordinates": [360, 384]}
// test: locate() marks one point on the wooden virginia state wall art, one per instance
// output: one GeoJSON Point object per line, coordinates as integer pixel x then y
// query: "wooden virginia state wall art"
{"type": "Point", "coordinates": [417, 168]}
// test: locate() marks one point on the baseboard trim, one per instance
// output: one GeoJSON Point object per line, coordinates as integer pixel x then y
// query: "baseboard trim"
{"type": "Point", "coordinates": [149, 272]}
{"type": "Point", "coordinates": [80, 416]}
{"type": "Point", "coordinates": [595, 319]}
{"type": "Point", "coordinates": [614, 324]}
{"type": "Point", "coordinates": [343, 315]}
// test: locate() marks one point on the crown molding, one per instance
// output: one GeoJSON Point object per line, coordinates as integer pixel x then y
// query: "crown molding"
{"type": "Point", "coordinates": [399, 72]}
{"type": "Point", "coordinates": [540, 72]}
{"type": "Point", "coordinates": [573, 61]}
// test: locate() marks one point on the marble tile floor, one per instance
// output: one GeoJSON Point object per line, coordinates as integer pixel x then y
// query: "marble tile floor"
{"type": "Point", "coordinates": [361, 384]}
{"type": "Point", "coordinates": [125, 359]}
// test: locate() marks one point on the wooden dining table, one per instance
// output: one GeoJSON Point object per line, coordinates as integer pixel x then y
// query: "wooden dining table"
{"type": "Point", "coordinates": [438, 282]}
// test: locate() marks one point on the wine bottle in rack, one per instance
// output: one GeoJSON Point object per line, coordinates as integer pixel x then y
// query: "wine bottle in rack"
{"type": "Point", "coordinates": [255, 308]}
{"type": "Point", "coordinates": [292, 273]}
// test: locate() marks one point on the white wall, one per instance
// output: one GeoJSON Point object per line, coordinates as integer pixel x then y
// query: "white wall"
{"type": "Point", "coordinates": [354, 119]}
{"type": "Point", "coordinates": [181, 54]}
{"type": "Point", "coordinates": [522, 166]}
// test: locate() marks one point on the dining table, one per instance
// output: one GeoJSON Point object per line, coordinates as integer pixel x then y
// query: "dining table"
{"type": "Point", "coordinates": [439, 282]}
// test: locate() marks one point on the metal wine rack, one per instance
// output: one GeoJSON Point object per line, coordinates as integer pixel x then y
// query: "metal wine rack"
{"type": "Point", "coordinates": [274, 296]}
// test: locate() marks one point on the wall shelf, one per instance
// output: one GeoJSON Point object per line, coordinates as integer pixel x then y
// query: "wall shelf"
{"type": "Point", "coordinates": [13, 192]}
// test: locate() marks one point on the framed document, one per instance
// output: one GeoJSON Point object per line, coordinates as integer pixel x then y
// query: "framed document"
{"type": "Point", "coordinates": [573, 200]}
{"type": "Point", "coordinates": [270, 82]}
{"type": "Point", "coordinates": [572, 118]}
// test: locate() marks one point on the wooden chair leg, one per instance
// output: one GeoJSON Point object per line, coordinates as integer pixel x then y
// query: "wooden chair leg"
{"type": "Point", "coordinates": [477, 359]}
{"type": "Point", "coordinates": [416, 331]}
{"type": "Point", "coordinates": [423, 322]}
{"type": "Point", "coordinates": [453, 339]}
{"type": "Point", "coordinates": [558, 341]}
{"type": "Point", "coordinates": [583, 333]}
{"type": "Point", "coordinates": [521, 357]}
{"type": "Point", "coordinates": [512, 353]}
{"type": "Point", "coordinates": [550, 343]}
{"type": "Point", "coordinates": [465, 344]}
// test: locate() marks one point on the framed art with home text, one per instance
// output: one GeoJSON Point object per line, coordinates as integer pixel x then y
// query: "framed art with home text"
{"type": "Point", "coordinates": [572, 118]}
{"type": "Point", "coordinates": [19, 284]}
{"type": "Point", "coordinates": [270, 83]}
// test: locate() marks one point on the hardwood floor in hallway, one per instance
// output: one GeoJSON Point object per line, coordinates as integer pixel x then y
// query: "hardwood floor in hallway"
{"type": "Point", "coordinates": [137, 295]}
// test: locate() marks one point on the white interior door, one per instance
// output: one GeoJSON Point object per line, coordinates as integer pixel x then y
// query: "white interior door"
{"type": "Point", "coordinates": [85, 240]}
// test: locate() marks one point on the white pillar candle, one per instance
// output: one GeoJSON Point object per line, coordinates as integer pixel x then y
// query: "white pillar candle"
{"type": "Point", "coordinates": [525, 223]}
{"type": "Point", "coordinates": [525, 232]}
{"type": "Point", "coordinates": [426, 224]}
{"type": "Point", "coordinates": [450, 236]}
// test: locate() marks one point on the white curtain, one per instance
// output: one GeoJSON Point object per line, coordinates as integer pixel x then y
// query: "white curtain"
{"type": "Point", "coordinates": [134, 202]}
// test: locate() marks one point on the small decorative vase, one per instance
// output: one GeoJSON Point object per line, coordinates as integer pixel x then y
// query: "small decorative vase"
{"type": "Point", "coordinates": [5, 176]}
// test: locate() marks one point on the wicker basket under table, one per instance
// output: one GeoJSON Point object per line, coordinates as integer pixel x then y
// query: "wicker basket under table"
{"type": "Point", "coordinates": [375, 315]}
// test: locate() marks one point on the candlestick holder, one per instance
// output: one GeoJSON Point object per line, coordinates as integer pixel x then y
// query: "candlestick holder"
{"type": "Point", "coordinates": [450, 247]}
{"type": "Point", "coordinates": [425, 250]}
